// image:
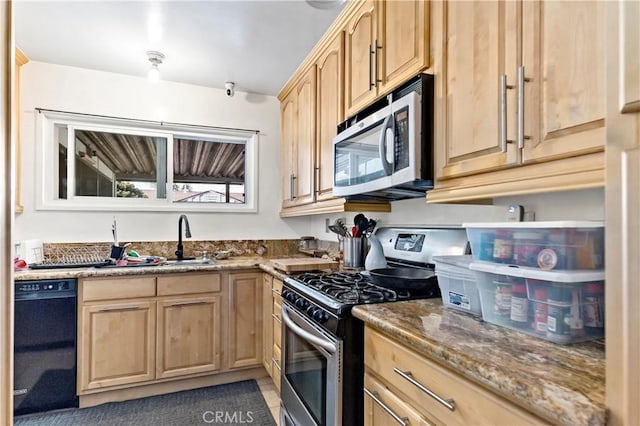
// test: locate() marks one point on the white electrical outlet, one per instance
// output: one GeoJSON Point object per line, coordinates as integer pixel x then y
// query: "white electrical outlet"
{"type": "Point", "coordinates": [515, 213]}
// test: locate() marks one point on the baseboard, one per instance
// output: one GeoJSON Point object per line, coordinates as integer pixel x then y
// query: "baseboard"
{"type": "Point", "coordinates": [153, 389]}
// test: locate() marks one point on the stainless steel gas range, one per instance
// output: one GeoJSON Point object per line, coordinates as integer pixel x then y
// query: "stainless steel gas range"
{"type": "Point", "coordinates": [323, 344]}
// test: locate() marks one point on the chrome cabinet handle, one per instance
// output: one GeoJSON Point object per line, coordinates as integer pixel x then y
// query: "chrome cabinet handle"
{"type": "Point", "coordinates": [404, 421]}
{"type": "Point", "coordinates": [503, 112]}
{"type": "Point", "coordinates": [521, 81]}
{"type": "Point", "coordinates": [275, 317]}
{"type": "Point", "coordinates": [317, 179]}
{"type": "Point", "coordinates": [449, 403]}
{"type": "Point", "coordinates": [371, 84]}
{"type": "Point", "coordinates": [375, 63]}
{"type": "Point", "coordinates": [292, 187]}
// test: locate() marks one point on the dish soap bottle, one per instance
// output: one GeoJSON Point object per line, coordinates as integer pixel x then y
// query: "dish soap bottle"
{"type": "Point", "coordinates": [375, 258]}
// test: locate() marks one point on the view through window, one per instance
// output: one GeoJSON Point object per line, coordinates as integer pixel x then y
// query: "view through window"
{"type": "Point", "coordinates": [117, 164]}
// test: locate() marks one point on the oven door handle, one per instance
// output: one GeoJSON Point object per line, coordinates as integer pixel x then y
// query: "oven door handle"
{"type": "Point", "coordinates": [326, 345]}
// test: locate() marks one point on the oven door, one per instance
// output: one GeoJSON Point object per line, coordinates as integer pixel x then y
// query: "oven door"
{"type": "Point", "coordinates": [311, 385]}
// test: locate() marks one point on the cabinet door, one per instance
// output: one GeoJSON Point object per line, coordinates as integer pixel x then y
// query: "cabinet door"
{"type": "Point", "coordinates": [360, 88]}
{"type": "Point", "coordinates": [563, 51]}
{"type": "Point", "coordinates": [267, 331]}
{"type": "Point", "coordinates": [189, 330]}
{"type": "Point", "coordinates": [330, 113]}
{"type": "Point", "coordinates": [288, 147]}
{"type": "Point", "coordinates": [117, 344]}
{"type": "Point", "coordinates": [305, 138]}
{"type": "Point", "coordinates": [245, 320]}
{"type": "Point", "coordinates": [403, 41]}
{"type": "Point", "coordinates": [480, 46]}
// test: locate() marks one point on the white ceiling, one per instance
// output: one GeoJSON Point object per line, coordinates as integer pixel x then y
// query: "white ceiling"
{"type": "Point", "coordinates": [258, 44]}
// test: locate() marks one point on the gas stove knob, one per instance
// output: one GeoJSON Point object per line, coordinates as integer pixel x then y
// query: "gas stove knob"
{"type": "Point", "coordinates": [301, 303]}
{"type": "Point", "coordinates": [311, 310]}
{"type": "Point", "coordinates": [320, 316]}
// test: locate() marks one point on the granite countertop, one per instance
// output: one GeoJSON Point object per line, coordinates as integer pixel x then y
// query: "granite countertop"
{"type": "Point", "coordinates": [564, 384]}
{"type": "Point", "coordinates": [216, 265]}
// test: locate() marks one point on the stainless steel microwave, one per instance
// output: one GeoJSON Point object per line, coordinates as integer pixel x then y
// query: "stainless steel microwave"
{"type": "Point", "coordinates": [386, 151]}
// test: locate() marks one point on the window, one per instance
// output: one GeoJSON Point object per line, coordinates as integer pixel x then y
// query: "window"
{"type": "Point", "coordinates": [97, 163]}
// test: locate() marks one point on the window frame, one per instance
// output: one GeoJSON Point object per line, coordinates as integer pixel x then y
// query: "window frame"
{"type": "Point", "coordinates": [47, 160]}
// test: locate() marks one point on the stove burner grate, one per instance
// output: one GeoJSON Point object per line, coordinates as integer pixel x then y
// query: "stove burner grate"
{"type": "Point", "coordinates": [352, 288]}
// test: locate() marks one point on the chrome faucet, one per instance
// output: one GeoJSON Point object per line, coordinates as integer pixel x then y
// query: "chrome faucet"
{"type": "Point", "coordinates": [187, 234]}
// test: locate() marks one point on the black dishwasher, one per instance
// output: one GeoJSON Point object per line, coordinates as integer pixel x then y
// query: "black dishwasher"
{"type": "Point", "coordinates": [44, 345]}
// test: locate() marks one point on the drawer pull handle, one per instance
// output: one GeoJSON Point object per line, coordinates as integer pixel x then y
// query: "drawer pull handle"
{"type": "Point", "coordinates": [276, 362]}
{"type": "Point", "coordinates": [404, 421]}
{"type": "Point", "coordinates": [277, 318]}
{"type": "Point", "coordinates": [121, 309]}
{"type": "Point", "coordinates": [449, 403]}
{"type": "Point", "coordinates": [199, 302]}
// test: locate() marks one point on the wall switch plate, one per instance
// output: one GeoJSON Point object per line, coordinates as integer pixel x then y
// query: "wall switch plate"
{"type": "Point", "coordinates": [515, 213]}
{"type": "Point", "coordinates": [327, 222]}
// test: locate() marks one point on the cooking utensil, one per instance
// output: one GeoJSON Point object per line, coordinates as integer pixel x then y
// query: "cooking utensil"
{"type": "Point", "coordinates": [343, 227]}
{"type": "Point", "coordinates": [371, 225]}
{"type": "Point", "coordinates": [355, 232]}
{"type": "Point", "coordinates": [361, 223]}
{"type": "Point", "coordinates": [336, 230]}
{"type": "Point", "coordinates": [404, 278]}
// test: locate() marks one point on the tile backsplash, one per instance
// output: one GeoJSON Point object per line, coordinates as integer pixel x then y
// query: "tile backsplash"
{"type": "Point", "coordinates": [81, 252]}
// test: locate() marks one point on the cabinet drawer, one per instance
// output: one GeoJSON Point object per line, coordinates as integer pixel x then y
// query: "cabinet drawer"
{"type": "Point", "coordinates": [117, 288]}
{"type": "Point", "coordinates": [277, 285]}
{"type": "Point", "coordinates": [276, 372]}
{"type": "Point", "coordinates": [277, 332]}
{"type": "Point", "coordinates": [383, 407]}
{"type": "Point", "coordinates": [188, 284]}
{"type": "Point", "coordinates": [277, 308]}
{"type": "Point", "coordinates": [473, 404]}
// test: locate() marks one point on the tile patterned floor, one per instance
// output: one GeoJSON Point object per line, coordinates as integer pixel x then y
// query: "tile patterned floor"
{"type": "Point", "coordinates": [271, 396]}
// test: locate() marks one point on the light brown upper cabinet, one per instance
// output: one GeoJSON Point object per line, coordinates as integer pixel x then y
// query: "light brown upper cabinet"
{"type": "Point", "coordinates": [523, 85]}
{"type": "Point", "coordinates": [564, 74]}
{"type": "Point", "coordinates": [480, 49]}
{"type": "Point", "coordinates": [330, 67]}
{"type": "Point", "coordinates": [298, 140]}
{"type": "Point", "coordinates": [386, 43]}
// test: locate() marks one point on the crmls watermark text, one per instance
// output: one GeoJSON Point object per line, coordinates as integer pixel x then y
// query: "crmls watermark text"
{"type": "Point", "coordinates": [228, 417]}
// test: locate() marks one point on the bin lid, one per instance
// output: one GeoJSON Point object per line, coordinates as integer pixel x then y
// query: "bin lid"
{"type": "Point", "coordinates": [545, 224]}
{"type": "Point", "coordinates": [576, 276]}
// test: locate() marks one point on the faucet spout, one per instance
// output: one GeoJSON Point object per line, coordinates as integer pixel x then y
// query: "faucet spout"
{"type": "Point", "coordinates": [180, 248]}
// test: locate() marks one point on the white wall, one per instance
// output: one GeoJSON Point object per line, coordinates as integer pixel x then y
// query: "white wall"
{"type": "Point", "coordinates": [87, 91]}
{"type": "Point", "coordinates": [569, 205]}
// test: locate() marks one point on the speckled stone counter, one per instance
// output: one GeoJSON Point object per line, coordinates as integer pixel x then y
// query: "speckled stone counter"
{"type": "Point", "coordinates": [564, 384]}
{"type": "Point", "coordinates": [217, 265]}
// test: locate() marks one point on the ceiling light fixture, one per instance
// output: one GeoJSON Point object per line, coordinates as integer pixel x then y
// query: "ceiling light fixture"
{"type": "Point", "coordinates": [156, 59]}
{"type": "Point", "coordinates": [325, 4]}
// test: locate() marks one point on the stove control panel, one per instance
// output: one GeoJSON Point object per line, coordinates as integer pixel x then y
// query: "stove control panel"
{"type": "Point", "coordinates": [309, 309]}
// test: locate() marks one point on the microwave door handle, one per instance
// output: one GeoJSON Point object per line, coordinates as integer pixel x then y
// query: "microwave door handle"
{"type": "Point", "coordinates": [389, 123]}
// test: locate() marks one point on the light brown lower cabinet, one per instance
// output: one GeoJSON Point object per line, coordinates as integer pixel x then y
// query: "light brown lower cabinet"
{"type": "Point", "coordinates": [400, 378]}
{"type": "Point", "coordinates": [245, 319]}
{"type": "Point", "coordinates": [118, 344]}
{"type": "Point", "coordinates": [267, 329]}
{"type": "Point", "coordinates": [141, 330]}
{"type": "Point", "coordinates": [272, 288]}
{"type": "Point", "coordinates": [188, 338]}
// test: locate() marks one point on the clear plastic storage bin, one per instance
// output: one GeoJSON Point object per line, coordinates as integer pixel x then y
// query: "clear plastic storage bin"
{"type": "Point", "coordinates": [458, 284]}
{"type": "Point", "coordinates": [565, 245]}
{"type": "Point", "coordinates": [561, 307]}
